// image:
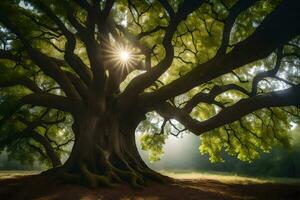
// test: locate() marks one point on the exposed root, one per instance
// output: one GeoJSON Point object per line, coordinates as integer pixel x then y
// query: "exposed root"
{"type": "Point", "coordinates": [70, 178]}
{"type": "Point", "coordinates": [104, 173]}
{"type": "Point", "coordinates": [92, 179]}
{"type": "Point", "coordinates": [61, 174]}
{"type": "Point", "coordinates": [134, 176]}
{"type": "Point", "coordinates": [129, 175]}
{"type": "Point", "coordinates": [113, 177]}
{"type": "Point", "coordinates": [156, 176]}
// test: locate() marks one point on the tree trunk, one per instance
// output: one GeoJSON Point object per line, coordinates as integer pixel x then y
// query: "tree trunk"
{"type": "Point", "coordinates": [105, 153]}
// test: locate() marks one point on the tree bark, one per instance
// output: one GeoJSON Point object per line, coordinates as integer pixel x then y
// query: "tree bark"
{"type": "Point", "coordinates": [105, 153]}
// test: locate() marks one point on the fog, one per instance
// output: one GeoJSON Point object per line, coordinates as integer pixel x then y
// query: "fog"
{"type": "Point", "coordinates": [183, 154]}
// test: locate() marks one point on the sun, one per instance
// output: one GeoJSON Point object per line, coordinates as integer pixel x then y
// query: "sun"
{"type": "Point", "coordinates": [121, 56]}
{"type": "Point", "coordinates": [124, 55]}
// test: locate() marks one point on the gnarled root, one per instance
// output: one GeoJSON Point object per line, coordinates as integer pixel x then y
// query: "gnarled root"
{"type": "Point", "coordinates": [127, 175]}
{"type": "Point", "coordinates": [93, 179]}
{"type": "Point", "coordinates": [104, 173]}
{"type": "Point", "coordinates": [150, 174]}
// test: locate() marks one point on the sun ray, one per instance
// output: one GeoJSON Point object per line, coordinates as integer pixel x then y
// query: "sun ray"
{"type": "Point", "coordinates": [122, 56]}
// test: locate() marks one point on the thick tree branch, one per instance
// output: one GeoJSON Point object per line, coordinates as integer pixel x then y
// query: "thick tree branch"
{"type": "Point", "coordinates": [79, 85]}
{"type": "Point", "coordinates": [259, 45]}
{"type": "Point", "coordinates": [234, 12]}
{"type": "Point", "coordinates": [287, 97]}
{"type": "Point", "coordinates": [47, 146]}
{"type": "Point", "coordinates": [210, 97]}
{"type": "Point", "coordinates": [73, 60]}
{"type": "Point", "coordinates": [269, 73]}
{"type": "Point", "coordinates": [5, 54]}
{"type": "Point", "coordinates": [45, 100]}
{"type": "Point", "coordinates": [21, 81]}
{"type": "Point", "coordinates": [43, 61]}
{"type": "Point", "coordinates": [105, 12]}
{"type": "Point", "coordinates": [83, 4]}
{"type": "Point", "coordinates": [145, 80]}
{"type": "Point", "coordinates": [167, 7]}
{"type": "Point", "coordinates": [52, 101]}
{"type": "Point", "coordinates": [38, 149]}
{"type": "Point", "coordinates": [93, 48]}
{"type": "Point", "coordinates": [29, 132]}
{"type": "Point", "coordinates": [146, 33]}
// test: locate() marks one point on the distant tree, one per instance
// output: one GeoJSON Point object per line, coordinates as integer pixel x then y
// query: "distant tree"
{"type": "Point", "coordinates": [223, 69]}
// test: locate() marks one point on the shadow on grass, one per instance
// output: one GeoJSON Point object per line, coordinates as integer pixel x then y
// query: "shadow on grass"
{"type": "Point", "coordinates": [191, 186]}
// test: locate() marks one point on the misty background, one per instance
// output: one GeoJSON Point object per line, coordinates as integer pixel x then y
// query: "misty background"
{"type": "Point", "coordinates": [182, 154]}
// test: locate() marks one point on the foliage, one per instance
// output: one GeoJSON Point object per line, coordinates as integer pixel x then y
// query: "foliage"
{"type": "Point", "coordinates": [179, 52]}
{"type": "Point", "coordinates": [154, 145]}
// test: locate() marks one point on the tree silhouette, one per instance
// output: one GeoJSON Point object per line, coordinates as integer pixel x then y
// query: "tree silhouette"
{"type": "Point", "coordinates": [93, 72]}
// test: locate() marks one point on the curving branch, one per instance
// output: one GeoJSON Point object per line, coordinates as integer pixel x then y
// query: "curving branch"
{"type": "Point", "coordinates": [149, 32]}
{"type": "Point", "coordinates": [210, 97]}
{"type": "Point", "coordinates": [71, 58]}
{"type": "Point", "coordinates": [257, 46]}
{"type": "Point", "coordinates": [38, 149]}
{"type": "Point", "coordinates": [147, 79]}
{"type": "Point", "coordinates": [287, 97]}
{"type": "Point", "coordinates": [269, 73]}
{"type": "Point", "coordinates": [98, 17]}
{"type": "Point", "coordinates": [106, 10]}
{"type": "Point", "coordinates": [51, 101]}
{"type": "Point", "coordinates": [45, 63]}
{"type": "Point", "coordinates": [45, 100]}
{"type": "Point", "coordinates": [234, 12]}
{"type": "Point", "coordinates": [27, 82]}
{"type": "Point", "coordinates": [83, 4]}
{"type": "Point", "coordinates": [47, 146]}
{"type": "Point", "coordinates": [29, 132]}
{"type": "Point", "coordinates": [78, 84]}
{"type": "Point", "coordinates": [6, 54]}
{"type": "Point", "coordinates": [167, 7]}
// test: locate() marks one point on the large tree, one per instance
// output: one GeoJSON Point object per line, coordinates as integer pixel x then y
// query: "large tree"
{"type": "Point", "coordinates": [224, 69]}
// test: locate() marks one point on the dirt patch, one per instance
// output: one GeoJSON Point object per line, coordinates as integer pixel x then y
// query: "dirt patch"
{"type": "Point", "coordinates": [35, 187]}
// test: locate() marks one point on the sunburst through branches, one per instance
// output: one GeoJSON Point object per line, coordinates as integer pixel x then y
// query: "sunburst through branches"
{"type": "Point", "coordinates": [122, 56]}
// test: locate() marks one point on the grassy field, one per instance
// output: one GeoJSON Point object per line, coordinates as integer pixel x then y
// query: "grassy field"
{"type": "Point", "coordinates": [186, 185]}
{"type": "Point", "coordinates": [186, 175]}
{"type": "Point", "coordinates": [228, 178]}
{"type": "Point", "coordinates": [14, 174]}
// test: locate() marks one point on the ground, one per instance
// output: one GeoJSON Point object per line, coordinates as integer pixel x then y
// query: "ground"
{"type": "Point", "coordinates": [193, 186]}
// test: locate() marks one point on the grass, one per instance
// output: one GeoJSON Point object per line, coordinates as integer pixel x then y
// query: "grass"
{"type": "Point", "coordinates": [187, 185]}
{"type": "Point", "coordinates": [228, 178]}
{"type": "Point", "coordinates": [184, 174]}
{"type": "Point", "coordinates": [13, 174]}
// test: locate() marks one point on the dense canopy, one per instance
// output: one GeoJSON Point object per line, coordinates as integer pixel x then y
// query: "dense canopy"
{"type": "Point", "coordinates": [93, 72]}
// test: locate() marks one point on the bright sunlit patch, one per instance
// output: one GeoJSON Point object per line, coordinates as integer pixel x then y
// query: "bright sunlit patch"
{"type": "Point", "coordinates": [124, 55]}
{"type": "Point", "coordinates": [293, 125]}
{"type": "Point", "coordinates": [121, 56]}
